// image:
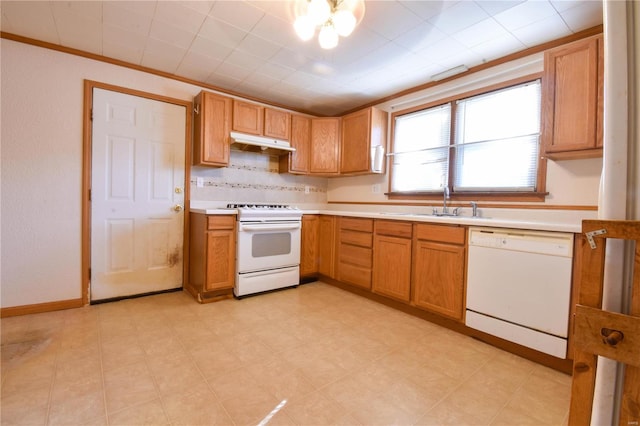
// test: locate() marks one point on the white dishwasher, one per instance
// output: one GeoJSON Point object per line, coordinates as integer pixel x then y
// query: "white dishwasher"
{"type": "Point", "coordinates": [519, 286]}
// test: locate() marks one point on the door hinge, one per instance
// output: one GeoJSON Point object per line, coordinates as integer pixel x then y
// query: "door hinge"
{"type": "Point", "coordinates": [89, 273]}
{"type": "Point", "coordinates": [91, 114]}
{"type": "Point", "coordinates": [89, 195]}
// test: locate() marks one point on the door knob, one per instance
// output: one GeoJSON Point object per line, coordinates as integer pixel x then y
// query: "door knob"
{"type": "Point", "coordinates": [177, 208]}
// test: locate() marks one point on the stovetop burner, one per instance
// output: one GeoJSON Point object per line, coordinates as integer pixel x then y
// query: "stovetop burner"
{"type": "Point", "coordinates": [257, 206]}
{"type": "Point", "coordinates": [266, 212]}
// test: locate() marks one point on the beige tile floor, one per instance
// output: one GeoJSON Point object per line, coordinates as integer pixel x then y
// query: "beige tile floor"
{"type": "Point", "coordinates": [315, 355]}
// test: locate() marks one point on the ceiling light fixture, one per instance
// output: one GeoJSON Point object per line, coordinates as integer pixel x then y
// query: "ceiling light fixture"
{"type": "Point", "coordinates": [334, 18]}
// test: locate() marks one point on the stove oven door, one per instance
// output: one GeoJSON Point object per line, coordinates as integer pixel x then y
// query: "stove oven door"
{"type": "Point", "coordinates": [265, 246]}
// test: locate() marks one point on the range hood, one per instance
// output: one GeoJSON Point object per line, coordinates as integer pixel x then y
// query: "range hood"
{"type": "Point", "coordinates": [260, 144]}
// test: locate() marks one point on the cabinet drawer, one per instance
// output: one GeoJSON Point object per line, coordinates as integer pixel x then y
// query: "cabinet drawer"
{"type": "Point", "coordinates": [393, 228]}
{"type": "Point", "coordinates": [356, 255]}
{"type": "Point", "coordinates": [356, 224]}
{"type": "Point", "coordinates": [357, 275]}
{"type": "Point", "coordinates": [221, 222]}
{"type": "Point", "coordinates": [362, 239]}
{"type": "Point", "coordinates": [441, 233]}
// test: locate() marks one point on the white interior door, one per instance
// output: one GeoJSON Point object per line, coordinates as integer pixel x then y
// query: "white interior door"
{"type": "Point", "coordinates": [137, 194]}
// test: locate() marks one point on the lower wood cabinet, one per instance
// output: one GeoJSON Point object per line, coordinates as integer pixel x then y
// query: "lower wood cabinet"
{"type": "Point", "coordinates": [212, 248]}
{"type": "Point", "coordinates": [392, 259]}
{"type": "Point", "coordinates": [327, 246]}
{"type": "Point", "coordinates": [309, 245]}
{"type": "Point", "coordinates": [355, 251]}
{"type": "Point", "coordinates": [438, 275]}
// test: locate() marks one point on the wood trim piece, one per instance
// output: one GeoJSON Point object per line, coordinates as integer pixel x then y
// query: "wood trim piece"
{"type": "Point", "coordinates": [521, 54]}
{"type": "Point", "coordinates": [518, 55]}
{"type": "Point", "coordinates": [563, 365]}
{"type": "Point", "coordinates": [89, 55]}
{"type": "Point", "coordinates": [41, 307]}
{"type": "Point", "coordinates": [483, 205]}
{"type": "Point", "coordinates": [474, 196]}
{"type": "Point", "coordinates": [87, 126]}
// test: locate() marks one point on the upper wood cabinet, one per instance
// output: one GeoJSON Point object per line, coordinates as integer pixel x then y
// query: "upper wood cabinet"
{"type": "Point", "coordinates": [277, 124]}
{"type": "Point", "coordinates": [324, 146]}
{"type": "Point", "coordinates": [212, 125]}
{"type": "Point", "coordinates": [364, 138]}
{"type": "Point", "coordinates": [438, 270]}
{"type": "Point", "coordinates": [248, 117]}
{"type": "Point", "coordinates": [262, 121]}
{"type": "Point", "coordinates": [298, 162]}
{"type": "Point", "coordinates": [309, 245]}
{"type": "Point", "coordinates": [572, 100]}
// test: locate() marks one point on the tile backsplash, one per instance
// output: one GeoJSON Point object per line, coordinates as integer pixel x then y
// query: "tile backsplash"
{"type": "Point", "coordinates": [254, 178]}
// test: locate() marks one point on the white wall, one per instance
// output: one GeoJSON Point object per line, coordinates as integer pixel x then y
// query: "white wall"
{"type": "Point", "coordinates": [42, 100]}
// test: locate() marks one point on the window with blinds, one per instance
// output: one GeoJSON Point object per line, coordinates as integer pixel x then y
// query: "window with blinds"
{"type": "Point", "coordinates": [421, 157]}
{"type": "Point", "coordinates": [496, 140]}
{"type": "Point", "coordinates": [494, 146]}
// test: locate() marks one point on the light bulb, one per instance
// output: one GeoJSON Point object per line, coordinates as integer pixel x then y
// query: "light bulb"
{"type": "Point", "coordinates": [344, 22]}
{"type": "Point", "coordinates": [328, 37]}
{"type": "Point", "coordinates": [319, 11]}
{"type": "Point", "coordinates": [304, 27]}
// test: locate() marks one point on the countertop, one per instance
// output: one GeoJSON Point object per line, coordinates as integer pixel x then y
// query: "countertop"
{"type": "Point", "coordinates": [565, 224]}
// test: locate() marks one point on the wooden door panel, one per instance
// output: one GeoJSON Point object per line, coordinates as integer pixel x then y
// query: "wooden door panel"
{"type": "Point", "coordinates": [599, 333]}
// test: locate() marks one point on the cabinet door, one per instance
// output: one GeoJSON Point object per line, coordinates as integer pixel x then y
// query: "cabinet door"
{"type": "Point", "coordinates": [277, 124]}
{"type": "Point", "coordinates": [220, 269]}
{"type": "Point", "coordinates": [298, 161]}
{"type": "Point", "coordinates": [355, 142]}
{"type": "Point", "coordinates": [362, 133]}
{"type": "Point", "coordinates": [327, 245]}
{"type": "Point", "coordinates": [309, 243]}
{"type": "Point", "coordinates": [438, 278]}
{"type": "Point", "coordinates": [248, 117]}
{"type": "Point", "coordinates": [570, 100]}
{"type": "Point", "coordinates": [392, 267]}
{"type": "Point", "coordinates": [325, 139]}
{"type": "Point", "coordinates": [212, 125]}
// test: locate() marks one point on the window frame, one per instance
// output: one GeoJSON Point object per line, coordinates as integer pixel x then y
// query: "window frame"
{"type": "Point", "coordinates": [538, 195]}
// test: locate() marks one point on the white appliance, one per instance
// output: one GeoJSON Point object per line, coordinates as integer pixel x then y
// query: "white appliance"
{"type": "Point", "coordinates": [268, 248]}
{"type": "Point", "coordinates": [244, 142]}
{"type": "Point", "coordinates": [519, 286]}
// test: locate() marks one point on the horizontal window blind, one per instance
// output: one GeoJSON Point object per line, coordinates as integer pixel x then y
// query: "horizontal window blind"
{"type": "Point", "coordinates": [497, 140]}
{"type": "Point", "coordinates": [420, 159]}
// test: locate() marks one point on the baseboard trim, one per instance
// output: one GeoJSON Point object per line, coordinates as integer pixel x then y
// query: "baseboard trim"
{"type": "Point", "coordinates": [41, 308]}
{"type": "Point", "coordinates": [562, 365]}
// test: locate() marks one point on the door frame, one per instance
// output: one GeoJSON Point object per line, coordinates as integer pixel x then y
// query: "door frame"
{"type": "Point", "coordinates": [87, 132]}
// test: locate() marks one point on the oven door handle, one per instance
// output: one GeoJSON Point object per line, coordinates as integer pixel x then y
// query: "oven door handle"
{"type": "Point", "coordinates": [270, 227]}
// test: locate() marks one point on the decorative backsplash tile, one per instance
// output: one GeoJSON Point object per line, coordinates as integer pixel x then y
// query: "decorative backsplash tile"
{"type": "Point", "coordinates": [254, 178]}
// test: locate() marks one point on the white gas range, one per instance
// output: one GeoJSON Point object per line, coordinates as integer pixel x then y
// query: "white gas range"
{"type": "Point", "coordinates": [268, 247]}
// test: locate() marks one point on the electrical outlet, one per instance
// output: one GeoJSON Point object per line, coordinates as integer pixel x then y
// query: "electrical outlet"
{"type": "Point", "coordinates": [306, 189]}
{"type": "Point", "coordinates": [375, 188]}
{"type": "Point", "coordinates": [199, 182]}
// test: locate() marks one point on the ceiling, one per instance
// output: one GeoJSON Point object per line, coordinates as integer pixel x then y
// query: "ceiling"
{"type": "Point", "coordinates": [249, 47]}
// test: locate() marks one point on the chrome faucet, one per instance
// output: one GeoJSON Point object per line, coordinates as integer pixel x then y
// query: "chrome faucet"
{"type": "Point", "coordinates": [445, 193]}
{"type": "Point", "coordinates": [474, 208]}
